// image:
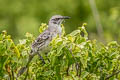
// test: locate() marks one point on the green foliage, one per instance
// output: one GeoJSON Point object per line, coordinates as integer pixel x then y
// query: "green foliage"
{"type": "Point", "coordinates": [72, 57]}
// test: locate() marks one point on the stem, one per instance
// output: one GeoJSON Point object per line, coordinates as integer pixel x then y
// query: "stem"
{"type": "Point", "coordinates": [109, 76]}
{"type": "Point", "coordinates": [13, 75]}
{"type": "Point", "coordinates": [77, 68]}
{"type": "Point", "coordinates": [80, 70]}
{"type": "Point", "coordinates": [67, 71]}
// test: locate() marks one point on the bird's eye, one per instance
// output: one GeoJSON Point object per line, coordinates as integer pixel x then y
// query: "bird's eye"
{"type": "Point", "coordinates": [57, 18]}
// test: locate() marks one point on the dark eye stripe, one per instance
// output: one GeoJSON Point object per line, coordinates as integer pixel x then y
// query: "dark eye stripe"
{"type": "Point", "coordinates": [56, 19]}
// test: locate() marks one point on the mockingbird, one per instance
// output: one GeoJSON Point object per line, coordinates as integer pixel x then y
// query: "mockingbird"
{"type": "Point", "coordinates": [40, 45]}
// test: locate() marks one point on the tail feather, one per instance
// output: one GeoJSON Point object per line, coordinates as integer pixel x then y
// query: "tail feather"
{"type": "Point", "coordinates": [23, 69]}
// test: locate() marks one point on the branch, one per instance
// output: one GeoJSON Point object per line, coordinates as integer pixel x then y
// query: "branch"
{"type": "Point", "coordinates": [109, 76]}
{"type": "Point", "coordinates": [13, 75]}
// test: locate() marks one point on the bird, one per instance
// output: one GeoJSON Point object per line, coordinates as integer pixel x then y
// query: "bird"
{"type": "Point", "coordinates": [41, 43]}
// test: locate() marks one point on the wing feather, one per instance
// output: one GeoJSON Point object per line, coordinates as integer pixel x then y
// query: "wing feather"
{"type": "Point", "coordinates": [41, 39]}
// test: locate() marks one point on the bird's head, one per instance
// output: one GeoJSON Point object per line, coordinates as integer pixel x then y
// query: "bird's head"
{"type": "Point", "coordinates": [57, 19]}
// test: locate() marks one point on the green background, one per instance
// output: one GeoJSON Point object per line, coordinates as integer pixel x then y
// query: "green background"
{"type": "Point", "coordinates": [21, 16]}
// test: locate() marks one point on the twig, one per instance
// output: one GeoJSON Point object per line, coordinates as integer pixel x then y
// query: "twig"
{"type": "Point", "coordinates": [109, 76]}
{"type": "Point", "coordinates": [77, 68]}
{"type": "Point", "coordinates": [13, 75]}
{"type": "Point", "coordinates": [80, 70]}
{"type": "Point", "coordinates": [67, 71]}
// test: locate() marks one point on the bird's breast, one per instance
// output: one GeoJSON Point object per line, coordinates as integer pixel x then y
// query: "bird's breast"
{"type": "Point", "coordinates": [59, 29]}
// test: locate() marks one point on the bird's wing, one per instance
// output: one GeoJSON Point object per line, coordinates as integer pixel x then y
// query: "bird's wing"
{"type": "Point", "coordinates": [41, 39]}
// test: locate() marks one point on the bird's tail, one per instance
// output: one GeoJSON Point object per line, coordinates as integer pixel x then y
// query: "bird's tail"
{"type": "Point", "coordinates": [23, 69]}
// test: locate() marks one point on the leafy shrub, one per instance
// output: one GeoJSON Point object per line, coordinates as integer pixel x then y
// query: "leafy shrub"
{"type": "Point", "coordinates": [72, 57]}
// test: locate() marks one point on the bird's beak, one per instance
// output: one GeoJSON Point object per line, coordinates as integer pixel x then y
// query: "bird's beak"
{"type": "Point", "coordinates": [66, 17]}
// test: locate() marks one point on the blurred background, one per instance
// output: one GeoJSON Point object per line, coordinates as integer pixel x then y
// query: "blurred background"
{"type": "Point", "coordinates": [102, 16]}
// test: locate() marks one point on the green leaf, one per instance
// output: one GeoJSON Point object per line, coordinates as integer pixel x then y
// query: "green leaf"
{"type": "Point", "coordinates": [59, 50]}
{"type": "Point", "coordinates": [3, 59]}
{"type": "Point", "coordinates": [84, 74]}
{"type": "Point", "coordinates": [47, 73]}
{"type": "Point", "coordinates": [75, 32]}
{"type": "Point", "coordinates": [112, 43]}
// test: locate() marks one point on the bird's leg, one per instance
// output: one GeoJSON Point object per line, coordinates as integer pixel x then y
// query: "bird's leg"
{"type": "Point", "coordinates": [49, 60]}
{"type": "Point", "coordinates": [46, 54]}
{"type": "Point", "coordinates": [41, 58]}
